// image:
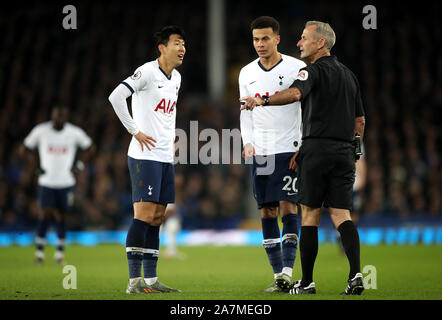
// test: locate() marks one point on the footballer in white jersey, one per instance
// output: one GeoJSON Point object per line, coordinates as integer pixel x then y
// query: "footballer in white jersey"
{"type": "Point", "coordinates": [154, 102]}
{"type": "Point", "coordinates": [273, 135]}
{"type": "Point", "coordinates": [154, 89]}
{"type": "Point", "coordinates": [57, 150]}
{"type": "Point", "coordinates": [277, 130]}
{"type": "Point", "coordinates": [57, 142]}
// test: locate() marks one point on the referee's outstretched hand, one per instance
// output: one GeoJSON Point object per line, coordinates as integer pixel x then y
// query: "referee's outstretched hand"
{"type": "Point", "coordinates": [292, 165]}
{"type": "Point", "coordinates": [145, 140]}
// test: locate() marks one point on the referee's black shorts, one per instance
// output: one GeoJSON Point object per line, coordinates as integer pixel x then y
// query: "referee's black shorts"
{"type": "Point", "coordinates": [326, 173]}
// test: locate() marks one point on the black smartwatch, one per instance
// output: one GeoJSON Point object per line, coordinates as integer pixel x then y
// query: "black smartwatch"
{"type": "Point", "coordinates": [265, 99]}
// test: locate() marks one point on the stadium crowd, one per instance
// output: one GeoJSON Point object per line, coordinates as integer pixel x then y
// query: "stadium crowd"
{"type": "Point", "coordinates": [398, 66]}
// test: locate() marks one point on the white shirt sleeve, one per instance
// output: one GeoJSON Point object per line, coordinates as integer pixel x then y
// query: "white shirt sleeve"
{"type": "Point", "coordinates": [32, 139]}
{"type": "Point", "coordinates": [246, 123]}
{"type": "Point", "coordinates": [139, 80]}
{"type": "Point", "coordinates": [118, 99]}
{"type": "Point", "coordinates": [83, 140]}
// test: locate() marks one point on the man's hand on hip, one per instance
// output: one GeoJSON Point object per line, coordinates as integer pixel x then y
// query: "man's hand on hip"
{"type": "Point", "coordinates": [145, 140]}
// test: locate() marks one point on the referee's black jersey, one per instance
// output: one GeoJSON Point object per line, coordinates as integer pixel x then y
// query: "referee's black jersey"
{"type": "Point", "coordinates": [331, 100]}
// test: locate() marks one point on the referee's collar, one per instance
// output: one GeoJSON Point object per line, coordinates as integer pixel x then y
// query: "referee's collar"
{"type": "Point", "coordinates": [332, 56]}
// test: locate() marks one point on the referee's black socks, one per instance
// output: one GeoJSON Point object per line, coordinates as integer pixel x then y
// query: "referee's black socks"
{"type": "Point", "coordinates": [308, 247]}
{"type": "Point", "coordinates": [350, 242]}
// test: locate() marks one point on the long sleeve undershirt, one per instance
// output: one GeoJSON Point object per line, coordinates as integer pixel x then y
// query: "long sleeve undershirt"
{"type": "Point", "coordinates": [118, 99]}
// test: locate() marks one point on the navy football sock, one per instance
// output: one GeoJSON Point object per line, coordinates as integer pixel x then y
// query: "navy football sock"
{"type": "Point", "coordinates": [42, 228]}
{"type": "Point", "coordinates": [134, 247]}
{"type": "Point", "coordinates": [151, 247]}
{"type": "Point", "coordinates": [271, 242]}
{"type": "Point", "coordinates": [61, 234]}
{"type": "Point", "coordinates": [289, 239]}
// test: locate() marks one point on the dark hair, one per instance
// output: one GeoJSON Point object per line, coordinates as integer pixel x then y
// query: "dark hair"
{"type": "Point", "coordinates": [162, 36]}
{"type": "Point", "coordinates": [265, 22]}
{"type": "Point", "coordinates": [61, 107]}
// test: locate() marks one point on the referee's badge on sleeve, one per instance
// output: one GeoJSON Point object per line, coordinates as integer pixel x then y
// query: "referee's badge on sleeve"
{"type": "Point", "coordinates": [302, 75]}
{"type": "Point", "coordinates": [136, 76]}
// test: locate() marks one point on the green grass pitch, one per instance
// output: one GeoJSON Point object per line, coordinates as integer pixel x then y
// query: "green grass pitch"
{"type": "Point", "coordinates": [218, 273]}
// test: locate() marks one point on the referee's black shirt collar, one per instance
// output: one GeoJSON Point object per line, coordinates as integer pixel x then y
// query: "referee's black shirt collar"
{"type": "Point", "coordinates": [332, 56]}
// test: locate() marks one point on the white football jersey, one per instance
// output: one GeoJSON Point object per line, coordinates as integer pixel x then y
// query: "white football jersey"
{"type": "Point", "coordinates": [271, 129]}
{"type": "Point", "coordinates": [56, 150]}
{"type": "Point", "coordinates": [154, 99]}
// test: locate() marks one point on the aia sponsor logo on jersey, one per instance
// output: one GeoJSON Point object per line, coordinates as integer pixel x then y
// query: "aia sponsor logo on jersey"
{"type": "Point", "coordinates": [167, 108]}
{"type": "Point", "coordinates": [57, 149]}
{"type": "Point", "coordinates": [266, 94]}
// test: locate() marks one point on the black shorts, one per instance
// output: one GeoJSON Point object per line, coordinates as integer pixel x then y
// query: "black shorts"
{"type": "Point", "coordinates": [326, 173]}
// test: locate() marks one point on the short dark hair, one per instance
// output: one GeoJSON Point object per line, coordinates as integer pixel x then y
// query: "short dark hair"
{"type": "Point", "coordinates": [61, 107]}
{"type": "Point", "coordinates": [265, 22]}
{"type": "Point", "coordinates": [162, 36]}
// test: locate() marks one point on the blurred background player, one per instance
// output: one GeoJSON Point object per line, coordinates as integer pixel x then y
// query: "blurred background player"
{"type": "Point", "coordinates": [358, 187]}
{"type": "Point", "coordinates": [273, 132]}
{"type": "Point", "coordinates": [154, 89]}
{"type": "Point", "coordinates": [173, 221]}
{"type": "Point", "coordinates": [171, 227]}
{"type": "Point", "coordinates": [56, 143]}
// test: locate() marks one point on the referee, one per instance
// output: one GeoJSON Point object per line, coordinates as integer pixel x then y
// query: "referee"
{"type": "Point", "coordinates": [332, 114]}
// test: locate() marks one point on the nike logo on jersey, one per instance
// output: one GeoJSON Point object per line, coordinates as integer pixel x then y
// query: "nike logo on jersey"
{"type": "Point", "coordinates": [252, 82]}
{"type": "Point", "coordinates": [159, 87]}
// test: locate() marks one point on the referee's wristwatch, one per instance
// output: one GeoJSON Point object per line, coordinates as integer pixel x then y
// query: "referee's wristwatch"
{"type": "Point", "coordinates": [265, 99]}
